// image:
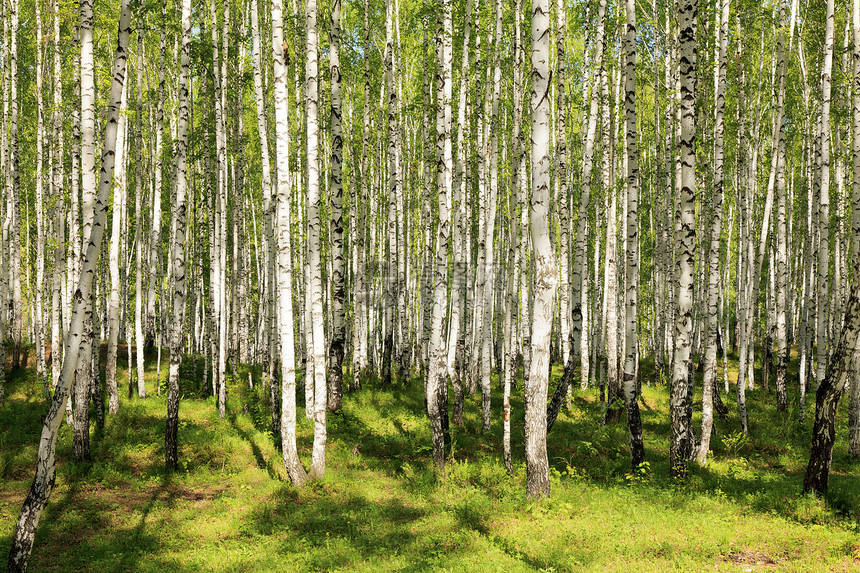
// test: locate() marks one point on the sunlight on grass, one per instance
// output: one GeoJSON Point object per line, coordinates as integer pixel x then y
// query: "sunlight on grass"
{"type": "Point", "coordinates": [381, 507]}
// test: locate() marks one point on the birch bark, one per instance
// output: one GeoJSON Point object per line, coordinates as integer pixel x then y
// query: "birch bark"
{"type": "Point", "coordinates": [630, 388]}
{"type": "Point", "coordinates": [336, 349]}
{"type": "Point", "coordinates": [708, 385]}
{"type": "Point", "coordinates": [437, 387]}
{"type": "Point", "coordinates": [284, 259]}
{"type": "Point", "coordinates": [43, 482]}
{"type": "Point", "coordinates": [681, 432]}
{"type": "Point", "coordinates": [537, 464]}
{"type": "Point", "coordinates": [177, 251]}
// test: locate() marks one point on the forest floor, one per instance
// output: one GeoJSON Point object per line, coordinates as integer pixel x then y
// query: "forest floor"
{"type": "Point", "coordinates": [380, 506]}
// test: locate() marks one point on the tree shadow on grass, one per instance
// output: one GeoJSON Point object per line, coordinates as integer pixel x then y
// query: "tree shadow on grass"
{"type": "Point", "coordinates": [340, 531]}
{"type": "Point", "coordinates": [262, 462]}
{"type": "Point", "coordinates": [89, 529]}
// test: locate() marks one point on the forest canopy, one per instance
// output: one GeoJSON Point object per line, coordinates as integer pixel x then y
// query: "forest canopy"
{"type": "Point", "coordinates": [327, 196]}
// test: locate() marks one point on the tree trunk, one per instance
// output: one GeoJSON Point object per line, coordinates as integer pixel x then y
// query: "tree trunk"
{"type": "Point", "coordinates": [177, 254]}
{"type": "Point", "coordinates": [580, 265]}
{"type": "Point", "coordinates": [456, 327]}
{"type": "Point", "coordinates": [840, 367]}
{"type": "Point", "coordinates": [515, 204]}
{"type": "Point", "coordinates": [824, 208]}
{"type": "Point", "coordinates": [437, 387]}
{"type": "Point", "coordinates": [59, 207]}
{"type": "Point", "coordinates": [854, 396]}
{"type": "Point", "coordinates": [710, 374]}
{"type": "Point", "coordinates": [634, 422]}
{"type": "Point", "coordinates": [39, 304]}
{"type": "Point", "coordinates": [336, 350]}
{"type": "Point", "coordinates": [537, 464]}
{"type": "Point", "coordinates": [119, 198]}
{"type": "Point", "coordinates": [314, 248]}
{"type": "Point", "coordinates": [681, 431]}
{"type": "Point", "coordinates": [285, 267]}
{"type": "Point", "coordinates": [43, 482]}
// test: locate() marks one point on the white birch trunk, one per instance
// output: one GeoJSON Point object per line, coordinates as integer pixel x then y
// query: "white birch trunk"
{"type": "Point", "coordinates": [177, 251]}
{"type": "Point", "coordinates": [824, 202]}
{"type": "Point", "coordinates": [634, 423]}
{"type": "Point", "coordinates": [285, 267]}
{"type": "Point", "coordinates": [314, 247]}
{"type": "Point", "coordinates": [712, 317]}
{"type": "Point", "coordinates": [119, 198]}
{"type": "Point", "coordinates": [43, 482]}
{"type": "Point", "coordinates": [436, 388]}
{"type": "Point", "coordinates": [336, 350]}
{"type": "Point", "coordinates": [681, 431]}
{"type": "Point", "coordinates": [537, 464]}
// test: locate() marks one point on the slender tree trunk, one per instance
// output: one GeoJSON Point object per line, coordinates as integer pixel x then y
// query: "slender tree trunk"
{"type": "Point", "coordinates": [155, 230]}
{"type": "Point", "coordinates": [537, 464]}
{"type": "Point", "coordinates": [456, 330]}
{"type": "Point", "coordinates": [580, 265]}
{"type": "Point", "coordinates": [634, 422]}
{"type": "Point", "coordinates": [13, 187]}
{"type": "Point", "coordinates": [437, 387]}
{"type": "Point", "coordinates": [314, 248]}
{"type": "Point", "coordinates": [336, 350]}
{"type": "Point", "coordinates": [285, 267]}
{"type": "Point", "coordinates": [177, 254]}
{"type": "Point", "coordinates": [88, 193]}
{"type": "Point", "coordinates": [39, 304]}
{"type": "Point", "coordinates": [119, 198]}
{"type": "Point", "coordinates": [824, 210]}
{"type": "Point", "coordinates": [43, 482]}
{"type": "Point", "coordinates": [681, 431]}
{"type": "Point", "coordinates": [854, 396]}
{"type": "Point", "coordinates": [59, 206]}
{"type": "Point", "coordinates": [268, 303]}
{"type": "Point", "coordinates": [710, 374]}
{"type": "Point", "coordinates": [515, 204]}
{"type": "Point", "coordinates": [781, 238]}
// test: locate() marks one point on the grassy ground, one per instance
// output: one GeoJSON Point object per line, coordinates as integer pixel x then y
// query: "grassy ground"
{"type": "Point", "coordinates": [380, 507]}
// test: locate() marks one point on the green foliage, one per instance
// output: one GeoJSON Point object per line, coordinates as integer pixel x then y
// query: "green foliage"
{"type": "Point", "coordinates": [383, 507]}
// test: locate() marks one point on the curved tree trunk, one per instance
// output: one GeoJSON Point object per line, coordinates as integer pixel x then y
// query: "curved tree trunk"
{"type": "Point", "coordinates": [43, 483]}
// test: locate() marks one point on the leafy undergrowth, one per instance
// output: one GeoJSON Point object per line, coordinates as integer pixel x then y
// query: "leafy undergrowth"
{"type": "Point", "coordinates": [381, 507]}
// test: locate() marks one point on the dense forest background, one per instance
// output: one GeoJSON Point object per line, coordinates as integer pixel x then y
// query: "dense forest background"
{"type": "Point", "coordinates": [316, 198]}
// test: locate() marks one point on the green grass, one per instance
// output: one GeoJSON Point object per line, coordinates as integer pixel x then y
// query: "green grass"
{"type": "Point", "coordinates": [230, 507]}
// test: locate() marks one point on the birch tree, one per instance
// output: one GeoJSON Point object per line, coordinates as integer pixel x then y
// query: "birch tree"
{"type": "Point", "coordinates": [336, 349]}
{"type": "Point", "coordinates": [313, 233]}
{"type": "Point", "coordinates": [284, 259]}
{"type": "Point", "coordinates": [681, 430]}
{"type": "Point", "coordinates": [823, 160]}
{"type": "Point", "coordinates": [854, 396]}
{"type": "Point", "coordinates": [708, 384]}
{"type": "Point", "coordinates": [436, 388]}
{"type": "Point", "coordinates": [634, 423]}
{"type": "Point", "coordinates": [38, 315]}
{"type": "Point", "coordinates": [177, 251]}
{"type": "Point", "coordinates": [43, 482]}
{"type": "Point", "coordinates": [580, 265]}
{"type": "Point", "coordinates": [537, 463]}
